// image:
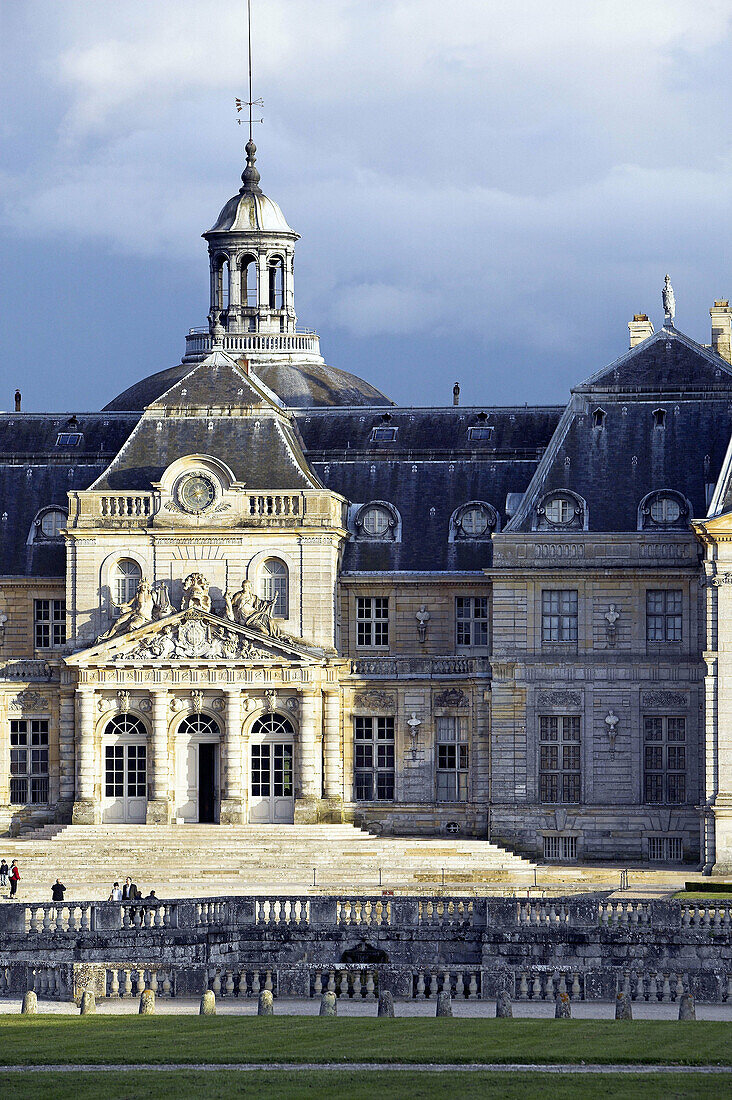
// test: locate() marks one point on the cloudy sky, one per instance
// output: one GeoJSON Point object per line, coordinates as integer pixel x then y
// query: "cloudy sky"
{"type": "Point", "coordinates": [486, 191]}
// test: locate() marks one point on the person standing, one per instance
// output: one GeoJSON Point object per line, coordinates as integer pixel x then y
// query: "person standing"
{"type": "Point", "coordinates": [57, 890]}
{"type": "Point", "coordinates": [3, 873]}
{"type": "Point", "coordinates": [129, 890]}
{"type": "Point", "coordinates": [116, 894]}
{"type": "Point", "coordinates": [14, 878]}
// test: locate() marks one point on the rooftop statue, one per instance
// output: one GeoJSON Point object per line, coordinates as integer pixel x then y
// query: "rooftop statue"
{"type": "Point", "coordinates": [669, 301]}
{"type": "Point", "coordinates": [134, 614]}
{"type": "Point", "coordinates": [248, 609]}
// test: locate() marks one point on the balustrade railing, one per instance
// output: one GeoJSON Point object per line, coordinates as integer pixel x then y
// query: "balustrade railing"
{"type": "Point", "coordinates": [546, 984]}
{"type": "Point", "coordinates": [127, 981]}
{"type": "Point", "coordinates": [442, 912]}
{"type": "Point", "coordinates": [363, 912]}
{"type": "Point", "coordinates": [542, 913]}
{"type": "Point", "coordinates": [254, 342]}
{"type": "Point", "coordinates": [716, 917]}
{"type": "Point", "coordinates": [236, 982]}
{"type": "Point", "coordinates": [54, 917]}
{"type": "Point", "coordinates": [662, 986]}
{"type": "Point", "coordinates": [136, 505]}
{"type": "Point", "coordinates": [145, 914]}
{"type": "Point", "coordinates": [624, 913]}
{"type": "Point", "coordinates": [460, 982]}
{"type": "Point", "coordinates": [282, 911]}
{"type": "Point", "coordinates": [350, 982]}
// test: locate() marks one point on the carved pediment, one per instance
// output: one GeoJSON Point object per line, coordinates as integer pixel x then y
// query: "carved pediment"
{"type": "Point", "coordinates": [193, 635]}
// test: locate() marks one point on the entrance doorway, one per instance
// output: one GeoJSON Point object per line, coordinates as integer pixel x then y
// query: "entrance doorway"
{"type": "Point", "coordinates": [272, 792]}
{"type": "Point", "coordinates": [125, 771]}
{"type": "Point", "coordinates": [207, 753]}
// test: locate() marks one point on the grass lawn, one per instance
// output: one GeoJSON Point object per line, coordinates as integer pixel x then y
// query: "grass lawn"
{"type": "Point", "coordinates": [161, 1039]}
{"type": "Point", "coordinates": [372, 1086]}
{"type": "Point", "coordinates": [703, 895]}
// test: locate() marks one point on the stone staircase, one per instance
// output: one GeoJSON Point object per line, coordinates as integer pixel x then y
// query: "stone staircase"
{"type": "Point", "coordinates": [210, 860]}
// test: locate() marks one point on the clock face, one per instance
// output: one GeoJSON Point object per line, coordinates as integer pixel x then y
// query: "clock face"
{"type": "Point", "coordinates": [196, 493]}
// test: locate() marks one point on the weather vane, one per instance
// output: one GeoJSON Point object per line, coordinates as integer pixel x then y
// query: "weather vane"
{"type": "Point", "coordinates": [242, 103]}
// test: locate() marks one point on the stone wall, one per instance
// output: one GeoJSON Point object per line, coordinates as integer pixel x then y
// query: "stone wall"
{"type": "Point", "coordinates": [591, 946]}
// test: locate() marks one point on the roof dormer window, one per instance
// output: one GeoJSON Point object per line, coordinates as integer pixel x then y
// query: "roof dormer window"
{"type": "Point", "coordinates": [383, 435]}
{"type": "Point", "coordinates": [480, 432]}
{"type": "Point", "coordinates": [659, 418]}
{"type": "Point", "coordinates": [68, 439]}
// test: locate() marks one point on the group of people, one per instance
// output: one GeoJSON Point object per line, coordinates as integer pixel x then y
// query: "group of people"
{"type": "Point", "coordinates": [10, 876]}
{"type": "Point", "coordinates": [129, 892]}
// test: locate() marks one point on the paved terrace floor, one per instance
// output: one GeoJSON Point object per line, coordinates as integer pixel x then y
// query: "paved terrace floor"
{"type": "Point", "coordinates": [468, 1009]}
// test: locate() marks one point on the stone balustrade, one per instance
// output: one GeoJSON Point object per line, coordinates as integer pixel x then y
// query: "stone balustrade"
{"type": "Point", "coordinates": [200, 343]}
{"type": "Point", "coordinates": [589, 946]}
{"type": "Point", "coordinates": [395, 668]}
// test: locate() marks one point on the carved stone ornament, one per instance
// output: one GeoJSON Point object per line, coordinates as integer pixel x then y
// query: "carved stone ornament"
{"type": "Point", "coordinates": [271, 697]}
{"type": "Point", "coordinates": [29, 700]}
{"type": "Point", "coordinates": [3, 623]}
{"type": "Point", "coordinates": [374, 700]}
{"type": "Point", "coordinates": [453, 697]}
{"type": "Point", "coordinates": [414, 723]}
{"type": "Point", "coordinates": [293, 704]}
{"type": "Point", "coordinates": [611, 620]}
{"type": "Point", "coordinates": [194, 639]}
{"type": "Point", "coordinates": [123, 701]}
{"type": "Point", "coordinates": [197, 700]}
{"type": "Point", "coordinates": [559, 699]}
{"type": "Point", "coordinates": [217, 704]}
{"type": "Point", "coordinates": [664, 699]}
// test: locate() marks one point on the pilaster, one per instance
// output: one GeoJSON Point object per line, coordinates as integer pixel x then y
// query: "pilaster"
{"type": "Point", "coordinates": [232, 796]}
{"type": "Point", "coordinates": [159, 805]}
{"type": "Point", "coordinates": [86, 807]}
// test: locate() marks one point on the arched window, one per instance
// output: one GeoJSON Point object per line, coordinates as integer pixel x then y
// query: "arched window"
{"type": "Point", "coordinates": [126, 724]}
{"type": "Point", "coordinates": [378, 520]}
{"type": "Point", "coordinates": [561, 510]}
{"type": "Point", "coordinates": [474, 520]}
{"type": "Point", "coordinates": [200, 725]}
{"type": "Point", "coordinates": [248, 277]}
{"type": "Point", "coordinates": [273, 579]}
{"type": "Point", "coordinates": [663, 508]}
{"type": "Point", "coordinates": [48, 524]}
{"type": "Point", "coordinates": [275, 724]}
{"type": "Point", "coordinates": [222, 285]}
{"type": "Point", "coordinates": [126, 576]}
{"type": "Point", "coordinates": [276, 284]}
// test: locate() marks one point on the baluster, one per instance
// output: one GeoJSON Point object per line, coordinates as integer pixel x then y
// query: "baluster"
{"type": "Point", "coordinates": [562, 988]}
{"type": "Point", "coordinates": [653, 987]}
{"type": "Point", "coordinates": [114, 982]}
{"type": "Point", "coordinates": [128, 983]}
{"type": "Point", "coordinates": [576, 988]}
{"type": "Point", "coordinates": [728, 998]}
{"type": "Point", "coordinates": [370, 986]}
{"type": "Point", "coordinates": [717, 919]}
{"type": "Point", "coordinates": [421, 989]}
{"type": "Point", "coordinates": [433, 984]}
{"type": "Point", "coordinates": [459, 984]}
{"type": "Point", "coordinates": [140, 981]}
{"type": "Point", "coordinates": [356, 986]}
{"type": "Point", "coordinates": [523, 987]}
{"type": "Point", "coordinates": [666, 998]}
{"type": "Point", "coordinates": [331, 982]}
{"type": "Point", "coordinates": [229, 984]}
{"type": "Point", "coordinates": [343, 984]}
{"type": "Point", "coordinates": [216, 983]}
{"type": "Point", "coordinates": [686, 916]}
{"type": "Point", "coordinates": [268, 981]}
{"type": "Point", "coordinates": [167, 986]}
{"type": "Point", "coordinates": [243, 982]}
{"type": "Point", "coordinates": [318, 984]}
{"type": "Point", "coordinates": [154, 980]}
{"type": "Point", "coordinates": [536, 988]}
{"type": "Point", "coordinates": [679, 987]}
{"type": "Point", "coordinates": [550, 987]}
{"type": "Point", "coordinates": [256, 986]}
{"type": "Point", "coordinates": [34, 923]}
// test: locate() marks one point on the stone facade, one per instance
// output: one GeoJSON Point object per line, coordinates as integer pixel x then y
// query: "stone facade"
{"type": "Point", "coordinates": [253, 589]}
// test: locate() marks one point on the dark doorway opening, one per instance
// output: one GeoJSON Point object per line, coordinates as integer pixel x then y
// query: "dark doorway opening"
{"type": "Point", "coordinates": [207, 782]}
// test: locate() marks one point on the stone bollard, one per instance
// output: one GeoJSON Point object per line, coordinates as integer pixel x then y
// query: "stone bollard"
{"type": "Point", "coordinates": [504, 1011]}
{"type": "Point", "coordinates": [88, 1003]}
{"type": "Point", "coordinates": [208, 1004]}
{"type": "Point", "coordinates": [687, 1008]}
{"type": "Point", "coordinates": [30, 1004]}
{"type": "Point", "coordinates": [623, 1007]}
{"type": "Point", "coordinates": [265, 1007]}
{"type": "Point", "coordinates": [328, 1005]}
{"type": "Point", "coordinates": [562, 1007]}
{"type": "Point", "coordinates": [386, 1004]}
{"type": "Point", "coordinates": [444, 1004]}
{"type": "Point", "coordinates": [147, 1003]}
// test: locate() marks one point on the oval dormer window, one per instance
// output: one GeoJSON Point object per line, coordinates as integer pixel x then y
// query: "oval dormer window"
{"type": "Point", "coordinates": [665, 509]}
{"type": "Point", "coordinates": [473, 521]}
{"type": "Point", "coordinates": [375, 521]}
{"type": "Point", "coordinates": [52, 523]}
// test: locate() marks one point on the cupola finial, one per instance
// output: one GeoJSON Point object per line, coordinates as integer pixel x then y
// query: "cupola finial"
{"type": "Point", "coordinates": [250, 175]}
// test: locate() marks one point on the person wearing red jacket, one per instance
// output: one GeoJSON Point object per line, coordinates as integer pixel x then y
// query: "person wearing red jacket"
{"type": "Point", "coordinates": [14, 877]}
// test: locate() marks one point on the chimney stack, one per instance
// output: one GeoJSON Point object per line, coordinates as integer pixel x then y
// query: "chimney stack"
{"type": "Point", "coordinates": [17, 401]}
{"type": "Point", "coordinates": [721, 315]}
{"type": "Point", "coordinates": [456, 394]}
{"type": "Point", "coordinates": [640, 328]}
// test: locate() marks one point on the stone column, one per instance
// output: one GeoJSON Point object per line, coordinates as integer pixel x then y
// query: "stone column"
{"type": "Point", "coordinates": [332, 756]}
{"type": "Point", "coordinates": [86, 809]}
{"type": "Point", "coordinates": [66, 757]}
{"type": "Point", "coordinates": [232, 795]}
{"type": "Point", "coordinates": [158, 805]}
{"type": "Point", "coordinates": [308, 795]}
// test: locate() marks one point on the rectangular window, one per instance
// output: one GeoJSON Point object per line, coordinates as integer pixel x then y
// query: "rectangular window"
{"type": "Point", "coordinates": [559, 615]}
{"type": "Point", "coordinates": [372, 621]}
{"type": "Point", "coordinates": [383, 435]}
{"type": "Point", "coordinates": [664, 759]}
{"type": "Point", "coordinates": [471, 620]}
{"type": "Point", "coordinates": [665, 849]}
{"type": "Point", "coordinates": [28, 760]}
{"type": "Point", "coordinates": [663, 615]}
{"type": "Point", "coordinates": [561, 848]}
{"type": "Point", "coordinates": [560, 766]}
{"type": "Point", "coordinates": [68, 439]}
{"type": "Point", "coordinates": [49, 618]}
{"type": "Point", "coordinates": [452, 759]}
{"type": "Point", "coordinates": [481, 432]}
{"type": "Point", "coordinates": [373, 759]}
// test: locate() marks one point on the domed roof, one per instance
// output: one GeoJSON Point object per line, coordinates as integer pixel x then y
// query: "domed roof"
{"type": "Point", "coordinates": [251, 209]}
{"type": "Point", "coordinates": [310, 385]}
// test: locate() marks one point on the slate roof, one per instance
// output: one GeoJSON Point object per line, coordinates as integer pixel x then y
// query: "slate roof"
{"type": "Point", "coordinates": [35, 474]}
{"type": "Point", "coordinates": [615, 466]}
{"type": "Point", "coordinates": [298, 386]}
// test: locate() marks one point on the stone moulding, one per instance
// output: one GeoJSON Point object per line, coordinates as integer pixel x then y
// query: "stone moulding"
{"type": "Point", "coordinates": [664, 699]}
{"type": "Point", "coordinates": [453, 697]}
{"type": "Point", "coordinates": [29, 700]}
{"type": "Point", "coordinates": [559, 699]}
{"type": "Point", "coordinates": [374, 700]}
